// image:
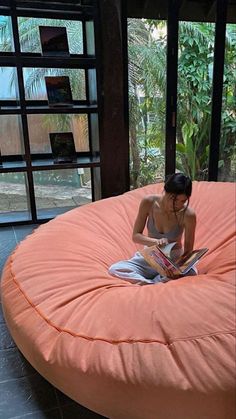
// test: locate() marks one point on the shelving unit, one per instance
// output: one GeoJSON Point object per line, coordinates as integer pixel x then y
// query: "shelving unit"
{"type": "Point", "coordinates": [31, 113]}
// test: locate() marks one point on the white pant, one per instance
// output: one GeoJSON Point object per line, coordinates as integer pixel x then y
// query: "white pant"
{"type": "Point", "coordinates": [137, 270]}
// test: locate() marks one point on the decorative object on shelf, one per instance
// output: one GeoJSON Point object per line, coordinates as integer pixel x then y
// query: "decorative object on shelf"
{"type": "Point", "coordinates": [58, 91]}
{"type": "Point", "coordinates": [63, 147]}
{"type": "Point", "coordinates": [53, 40]}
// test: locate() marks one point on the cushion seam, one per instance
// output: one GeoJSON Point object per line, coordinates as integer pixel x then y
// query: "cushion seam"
{"type": "Point", "coordinates": [112, 341]}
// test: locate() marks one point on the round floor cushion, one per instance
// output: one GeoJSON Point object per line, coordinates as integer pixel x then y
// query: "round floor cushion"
{"type": "Point", "coordinates": [123, 350]}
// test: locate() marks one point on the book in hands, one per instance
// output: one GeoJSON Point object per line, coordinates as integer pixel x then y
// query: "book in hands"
{"type": "Point", "coordinates": [58, 91]}
{"type": "Point", "coordinates": [63, 147]}
{"type": "Point", "coordinates": [53, 40]}
{"type": "Point", "coordinates": [159, 259]}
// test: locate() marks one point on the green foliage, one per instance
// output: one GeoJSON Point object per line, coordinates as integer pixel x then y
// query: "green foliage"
{"type": "Point", "coordinates": [147, 67]}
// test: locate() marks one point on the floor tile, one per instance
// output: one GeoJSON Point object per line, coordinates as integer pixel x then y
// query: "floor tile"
{"type": "Point", "coordinates": [70, 408]}
{"type": "Point", "coordinates": [75, 411]}
{"type": "Point", "coordinates": [14, 365]}
{"type": "Point", "coordinates": [2, 320]}
{"type": "Point", "coordinates": [63, 399]}
{"type": "Point", "coordinates": [22, 231]}
{"type": "Point", "coordinates": [26, 395]}
{"type": "Point", "coordinates": [7, 244]}
{"type": "Point", "coordinates": [6, 340]}
{"type": "Point", "coordinates": [49, 414]}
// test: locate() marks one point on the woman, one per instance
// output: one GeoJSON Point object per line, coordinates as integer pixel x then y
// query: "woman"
{"type": "Point", "coordinates": [168, 218]}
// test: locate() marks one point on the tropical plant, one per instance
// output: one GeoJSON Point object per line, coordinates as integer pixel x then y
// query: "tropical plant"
{"type": "Point", "coordinates": [147, 109]}
{"type": "Point", "coordinates": [227, 162]}
{"type": "Point", "coordinates": [147, 55]}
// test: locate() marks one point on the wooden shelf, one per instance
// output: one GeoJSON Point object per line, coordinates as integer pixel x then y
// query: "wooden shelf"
{"type": "Point", "coordinates": [48, 164]}
{"type": "Point", "coordinates": [13, 166]}
{"type": "Point", "coordinates": [74, 61]}
{"type": "Point", "coordinates": [45, 109]}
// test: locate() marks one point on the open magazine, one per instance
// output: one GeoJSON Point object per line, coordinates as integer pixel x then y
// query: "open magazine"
{"type": "Point", "coordinates": [160, 259]}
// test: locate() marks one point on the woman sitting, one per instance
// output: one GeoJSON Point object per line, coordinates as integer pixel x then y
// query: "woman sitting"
{"type": "Point", "coordinates": [168, 217]}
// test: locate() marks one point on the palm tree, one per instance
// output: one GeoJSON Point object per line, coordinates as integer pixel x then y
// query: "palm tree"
{"type": "Point", "coordinates": [147, 67]}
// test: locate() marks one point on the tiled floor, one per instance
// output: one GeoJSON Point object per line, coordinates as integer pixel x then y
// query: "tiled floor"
{"type": "Point", "coordinates": [24, 394]}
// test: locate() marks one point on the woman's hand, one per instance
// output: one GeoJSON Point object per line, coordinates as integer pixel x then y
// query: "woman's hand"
{"type": "Point", "coordinates": [161, 242]}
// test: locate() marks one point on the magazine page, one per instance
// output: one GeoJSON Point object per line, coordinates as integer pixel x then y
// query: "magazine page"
{"type": "Point", "coordinates": [186, 262]}
{"type": "Point", "coordinates": [160, 262]}
{"type": "Point", "coordinates": [168, 248]}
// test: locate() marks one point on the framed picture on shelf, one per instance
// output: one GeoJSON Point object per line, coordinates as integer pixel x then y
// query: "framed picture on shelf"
{"type": "Point", "coordinates": [58, 91]}
{"type": "Point", "coordinates": [54, 40]}
{"type": "Point", "coordinates": [63, 147]}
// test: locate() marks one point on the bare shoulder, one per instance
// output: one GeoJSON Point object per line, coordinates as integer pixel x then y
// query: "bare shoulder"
{"type": "Point", "coordinates": [148, 201]}
{"type": "Point", "coordinates": [190, 215]}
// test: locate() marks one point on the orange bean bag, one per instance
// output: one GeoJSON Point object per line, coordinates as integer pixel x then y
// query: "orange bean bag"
{"type": "Point", "coordinates": [123, 350]}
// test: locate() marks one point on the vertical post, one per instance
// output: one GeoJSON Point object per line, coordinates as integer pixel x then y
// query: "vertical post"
{"type": "Point", "coordinates": [16, 37]}
{"type": "Point", "coordinates": [114, 139]}
{"type": "Point", "coordinates": [171, 85]}
{"type": "Point", "coordinates": [218, 71]}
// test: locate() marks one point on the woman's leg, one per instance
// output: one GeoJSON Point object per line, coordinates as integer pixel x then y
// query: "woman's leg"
{"type": "Point", "coordinates": [135, 270]}
{"type": "Point", "coordinates": [159, 278]}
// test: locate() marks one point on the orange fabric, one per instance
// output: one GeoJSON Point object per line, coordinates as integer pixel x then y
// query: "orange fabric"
{"type": "Point", "coordinates": [128, 351]}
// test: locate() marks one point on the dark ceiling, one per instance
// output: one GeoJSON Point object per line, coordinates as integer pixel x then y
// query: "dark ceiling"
{"type": "Point", "coordinates": [191, 10]}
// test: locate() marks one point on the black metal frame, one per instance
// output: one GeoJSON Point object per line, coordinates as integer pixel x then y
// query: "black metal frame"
{"type": "Point", "coordinates": [22, 107]}
{"type": "Point", "coordinates": [171, 85]}
{"type": "Point", "coordinates": [218, 72]}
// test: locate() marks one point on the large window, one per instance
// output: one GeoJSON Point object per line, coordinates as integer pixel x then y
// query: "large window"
{"type": "Point", "coordinates": [147, 91]}
{"type": "Point", "coordinates": [192, 118]}
{"type": "Point", "coordinates": [227, 160]}
{"type": "Point", "coordinates": [195, 71]}
{"type": "Point", "coordinates": [59, 190]}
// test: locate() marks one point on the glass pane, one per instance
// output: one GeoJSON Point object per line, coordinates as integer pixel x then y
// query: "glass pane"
{"type": "Point", "coordinates": [6, 37]}
{"type": "Point", "coordinates": [35, 87]}
{"type": "Point", "coordinates": [195, 71]}
{"type": "Point", "coordinates": [11, 142]}
{"type": "Point", "coordinates": [57, 191]}
{"type": "Point", "coordinates": [8, 84]}
{"type": "Point", "coordinates": [13, 197]}
{"type": "Point", "coordinates": [30, 39]}
{"type": "Point", "coordinates": [41, 125]}
{"type": "Point", "coordinates": [227, 158]}
{"type": "Point", "coordinates": [97, 183]}
{"type": "Point", "coordinates": [90, 38]}
{"type": "Point", "coordinates": [94, 132]}
{"type": "Point", "coordinates": [92, 86]}
{"type": "Point", "coordinates": [147, 92]}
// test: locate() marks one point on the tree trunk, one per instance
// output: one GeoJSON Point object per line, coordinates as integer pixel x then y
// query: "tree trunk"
{"type": "Point", "coordinates": [182, 156]}
{"type": "Point", "coordinates": [135, 158]}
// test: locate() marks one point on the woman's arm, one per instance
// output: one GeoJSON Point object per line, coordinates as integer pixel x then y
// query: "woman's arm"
{"type": "Point", "coordinates": [138, 236]}
{"type": "Point", "coordinates": [190, 226]}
